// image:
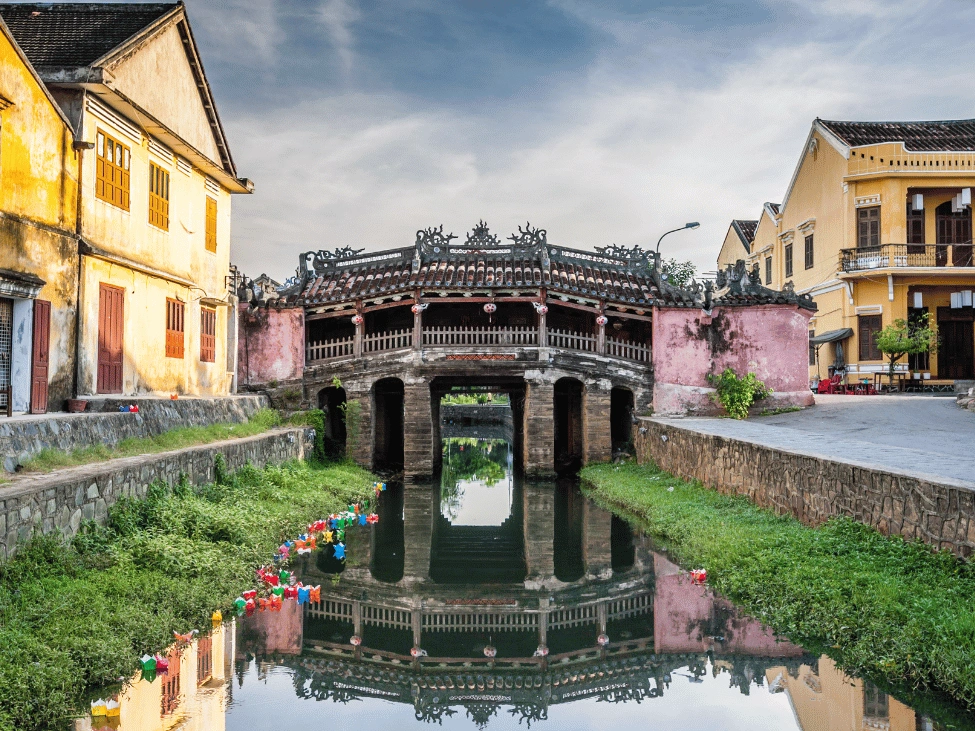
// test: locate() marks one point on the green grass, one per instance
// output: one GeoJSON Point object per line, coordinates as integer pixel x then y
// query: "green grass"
{"type": "Point", "coordinates": [74, 619]}
{"type": "Point", "coordinates": [883, 607]}
{"type": "Point", "coordinates": [49, 459]}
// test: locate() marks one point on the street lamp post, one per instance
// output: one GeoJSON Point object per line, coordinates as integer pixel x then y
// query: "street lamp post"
{"type": "Point", "coordinates": [691, 225]}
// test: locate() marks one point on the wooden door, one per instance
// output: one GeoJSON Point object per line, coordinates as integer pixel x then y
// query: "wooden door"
{"type": "Point", "coordinates": [110, 318]}
{"type": "Point", "coordinates": [40, 357]}
{"type": "Point", "coordinates": [956, 353]}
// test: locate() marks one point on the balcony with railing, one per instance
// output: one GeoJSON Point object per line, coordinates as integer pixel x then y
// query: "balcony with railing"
{"type": "Point", "coordinates": [906, 256]}
{"type": "Point", "coordinates": [479, 338]}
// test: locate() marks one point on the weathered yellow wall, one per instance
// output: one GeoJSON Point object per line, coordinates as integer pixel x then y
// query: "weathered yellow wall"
{"type": "Point", "coordinates": [177, 100]}
{"type": "Point", "coordinates": [38, 205]}
{"type": "Point", "coordinates": [180, 252]}
{"type": "Point", "coordinates": [146, 368]}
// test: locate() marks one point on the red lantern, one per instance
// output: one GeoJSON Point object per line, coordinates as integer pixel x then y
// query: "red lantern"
{"type": "Point", "coordinates": [490, 308]}
{"type": "Point", "coordinates": [358, 320]}
{"type": "Point", "coordinates": [541, 309]}
{"type": "Point", "coordinates": [602, 320]}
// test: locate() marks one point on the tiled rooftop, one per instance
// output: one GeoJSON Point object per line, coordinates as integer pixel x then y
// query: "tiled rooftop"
{"type": "Point", "coordinates": [953, 135]}
{"type": "Point", "coordinates": [746, 231]}
{"type": "Point", "coordinates": [74, 35]}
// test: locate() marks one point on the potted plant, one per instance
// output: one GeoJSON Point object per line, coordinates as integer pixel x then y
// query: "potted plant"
{"type": "Point", "coordinates": [76, 405]}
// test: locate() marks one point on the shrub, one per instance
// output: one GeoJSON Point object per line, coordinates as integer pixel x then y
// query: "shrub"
{"type": "Point", "coordinates": [736, 395]}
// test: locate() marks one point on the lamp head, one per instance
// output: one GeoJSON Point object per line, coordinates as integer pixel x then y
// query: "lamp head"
{"type": "Point", "coordinates": [692, 224]}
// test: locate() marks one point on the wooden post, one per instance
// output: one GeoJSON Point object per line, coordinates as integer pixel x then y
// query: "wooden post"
{"type": "Point", "coordinates": [360, 330]}
{"type": "Point", "coordinates": [601, 331]}
{"type": "Point", "coordinates": [357, 625]}
{"type": "Point", "coordinates": [417, 322]}
{"type": "Point", "coordinates": [542, 326]}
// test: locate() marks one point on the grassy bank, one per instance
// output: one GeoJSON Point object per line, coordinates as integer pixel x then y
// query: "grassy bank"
{"type": "Point", "coordinates": [881, 606]}
{"type": "Point", "coordinates": [74, 619]}
{"type": "Point", "coordinates": [186, 436]}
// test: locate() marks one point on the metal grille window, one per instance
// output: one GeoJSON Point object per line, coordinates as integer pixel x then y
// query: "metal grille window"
{"type": "Point", "coordinates": [175, 311]}
{"type": "Point", "coordinates": [875, 702]}
{"type": "Point", "coordinates": [6, 349]}
{"type": "Point", "coordinates": [158, 197]}
{"type": "Point", "coordinates": [208, 335]}
{"type": "Point", "coordinates": [112, 174]}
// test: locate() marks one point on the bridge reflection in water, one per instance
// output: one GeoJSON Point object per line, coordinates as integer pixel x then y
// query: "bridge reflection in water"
{"type": "Point", "coordinates": [584, 618]}
{"type": "Point", "coordinates": [572, 604]}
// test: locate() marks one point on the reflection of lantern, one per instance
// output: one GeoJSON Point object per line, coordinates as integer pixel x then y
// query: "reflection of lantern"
{"type": "Point", "coordinates": [490, 652]}
{"type": "Point", "coordinates": [418, 308]}
{"type": "Point", "coordinates": [355, 640]}
{"type": "Point", "coordinates": [602, 320]}
{"type": "Point", "coordinates": [490, 308]}
{"type": "Point", "coordinates": [603, 639]}
{"type": "Point", "coordinates": [358, 320]}
{"type": "Point", "coordinates": [541, 651]}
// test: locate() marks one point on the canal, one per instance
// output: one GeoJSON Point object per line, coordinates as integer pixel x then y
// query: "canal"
{"type": "Point", "coordinates": [489, 602]}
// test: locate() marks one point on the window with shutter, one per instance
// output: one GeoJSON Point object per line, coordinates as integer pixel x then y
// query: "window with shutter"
{"type": "Point", "coordinates": [170, 683]}
{"type": "Point", "coordinates": [208, 335]}
{"type": "Point", "coordinates": [158, 197]}
{"type": "Point", "coordinates": [868, 226]}
{"type": "Point", "coordinates": [788, 260]}
{"type": "Point", "coordinates": [112, 170]}
{"type": "Point", "coordinates": [915, 230]}
{"type": "Point", "coordinates": [868, 326]}
{"type": "Point", "coordinates": [768, 270]}
{"type": "Point", "coordinates": [809, 252]}
{"type": "Point", "coordinates": [211, 226]}
{"type": "Point", "coordinates": [174, 328]}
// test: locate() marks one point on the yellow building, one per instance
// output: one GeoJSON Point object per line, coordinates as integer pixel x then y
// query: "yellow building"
{"type": "Point", "coordinates": [156, 180]}
{"type": "Point", "coordinates": [737, 242]}
{"type": "Point", "coordinates": [876, 224]}
{"type": "Point", "coordinates": [38, 244]}
{"type": "Point", "coordinates": [829, 700]}
{"type": "Point", "coordinates": [191, 695]}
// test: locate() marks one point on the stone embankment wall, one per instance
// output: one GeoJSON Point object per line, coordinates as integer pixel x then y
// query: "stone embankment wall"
{"type": "Point", "coordinates": [61, 500]}
{"type": "Point", "coordinates": [814, 489]}
{"type": "Point", "coordinates": [23, 438]}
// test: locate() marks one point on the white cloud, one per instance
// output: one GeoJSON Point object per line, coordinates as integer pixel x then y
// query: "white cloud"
{"type": "Point", "coordinates": [338, 17]}
{"type": "Point", "coordinates": [615, 157]}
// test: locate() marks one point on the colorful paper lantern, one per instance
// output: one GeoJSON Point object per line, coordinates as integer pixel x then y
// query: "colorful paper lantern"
{"type": "Point", "coordinates": [602, 320]}
{"type": "Point", "coordinates": [315, 594]}
{"type": "Point", "coordinates": [490, 652]}
{"type": "Point", "coordinates": [355, 640]}
{"type": "Point", "coordinates": [249, 594]}
{"type": "Point", "coordinates": [147, 663]}
{"type": "Point", "coordinates": [278, 591]}
{"type": "Point", "coordinates": [339, 550]}
{"type": "Point", "coordinates": [602, 640]}
{"type": "Point", "coordinates": [372, 518]}
{"type": "Point", "coordinates": [216, 619]}
{"type": "Point", "coordinates": [162, 664]}
{"type": "Point", "coordinates": [490, 308]}
{"type": "Point", "coordinates": [363, 519]}
{"type": "Point", "coordinates": [303, 595]}
{"type": "Point", "coordinates": [699, 577]}
{"type": "Point", "coordinates": [99, 708]}
{"type": "Point", "coordinates": [358, 320]}
{"type": "Point", "coordinates": [541, 651]}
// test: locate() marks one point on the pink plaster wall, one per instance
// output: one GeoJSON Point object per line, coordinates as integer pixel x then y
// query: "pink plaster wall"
{"type": "Point", "coordinates": [280, 632]}
{"type": "Point", "coordinates": [771, 341]}
{"type": "Point", "coordinates": [688, 618]}
{"type": "Point", "coordinates": [271, 346]}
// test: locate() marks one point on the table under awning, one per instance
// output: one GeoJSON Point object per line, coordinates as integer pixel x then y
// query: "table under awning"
{"type": "Point", "coordinates": [832, 336]}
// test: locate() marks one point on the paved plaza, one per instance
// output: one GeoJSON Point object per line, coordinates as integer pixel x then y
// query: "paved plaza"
{"type": "Point", "coordinates": [926, 436]}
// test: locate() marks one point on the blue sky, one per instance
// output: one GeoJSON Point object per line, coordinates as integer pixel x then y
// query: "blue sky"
{"type": "Point", "coordinates": [361, 121]}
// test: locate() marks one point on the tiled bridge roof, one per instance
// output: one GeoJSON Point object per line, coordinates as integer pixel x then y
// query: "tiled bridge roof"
{"type": "Point", "coordinates": [614, 274]}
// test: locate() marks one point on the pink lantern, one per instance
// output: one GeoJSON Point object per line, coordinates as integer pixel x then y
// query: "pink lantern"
{"type": "Point", "coordinates": [603, 639]}
{"type": "Point", "coordinates": [542, 309]}
{"type": "Point", "coordinates": [416, 309]}
{"type": "Point", "coordinates": [358, 320]}
{"type": "Point", "coordinates": [490, 308]}
{"type": "Point", "coordinates": [355, 640]}
{"type": "Point", "coordinates": [602, 320]}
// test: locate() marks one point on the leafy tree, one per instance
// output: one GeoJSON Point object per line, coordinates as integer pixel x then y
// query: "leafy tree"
{"type": "Point", "coordinates": [907, 338]}
{"type": "Point", "coordinates": [679, 273]}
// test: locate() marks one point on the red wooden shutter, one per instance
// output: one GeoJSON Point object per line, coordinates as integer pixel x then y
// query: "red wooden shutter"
{"type": "Point", "coordinates": [41, 358]}
{"type": "Point", "coordinates": [208, 332]}
{"type": "Point", "coordinates": [110, 319]}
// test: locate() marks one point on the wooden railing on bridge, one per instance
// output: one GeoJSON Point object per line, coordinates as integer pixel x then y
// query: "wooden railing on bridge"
{"type": "Point", "coordinates": [571, 340]}
{"type": "Point", "coordinates": [479, 337]}
{"type": "Point", "coordinates": [448, 336]}
{"type": "Point", "coordinates": [330, 349]}
{"type": "Point", "coordinates": [395, 340]}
